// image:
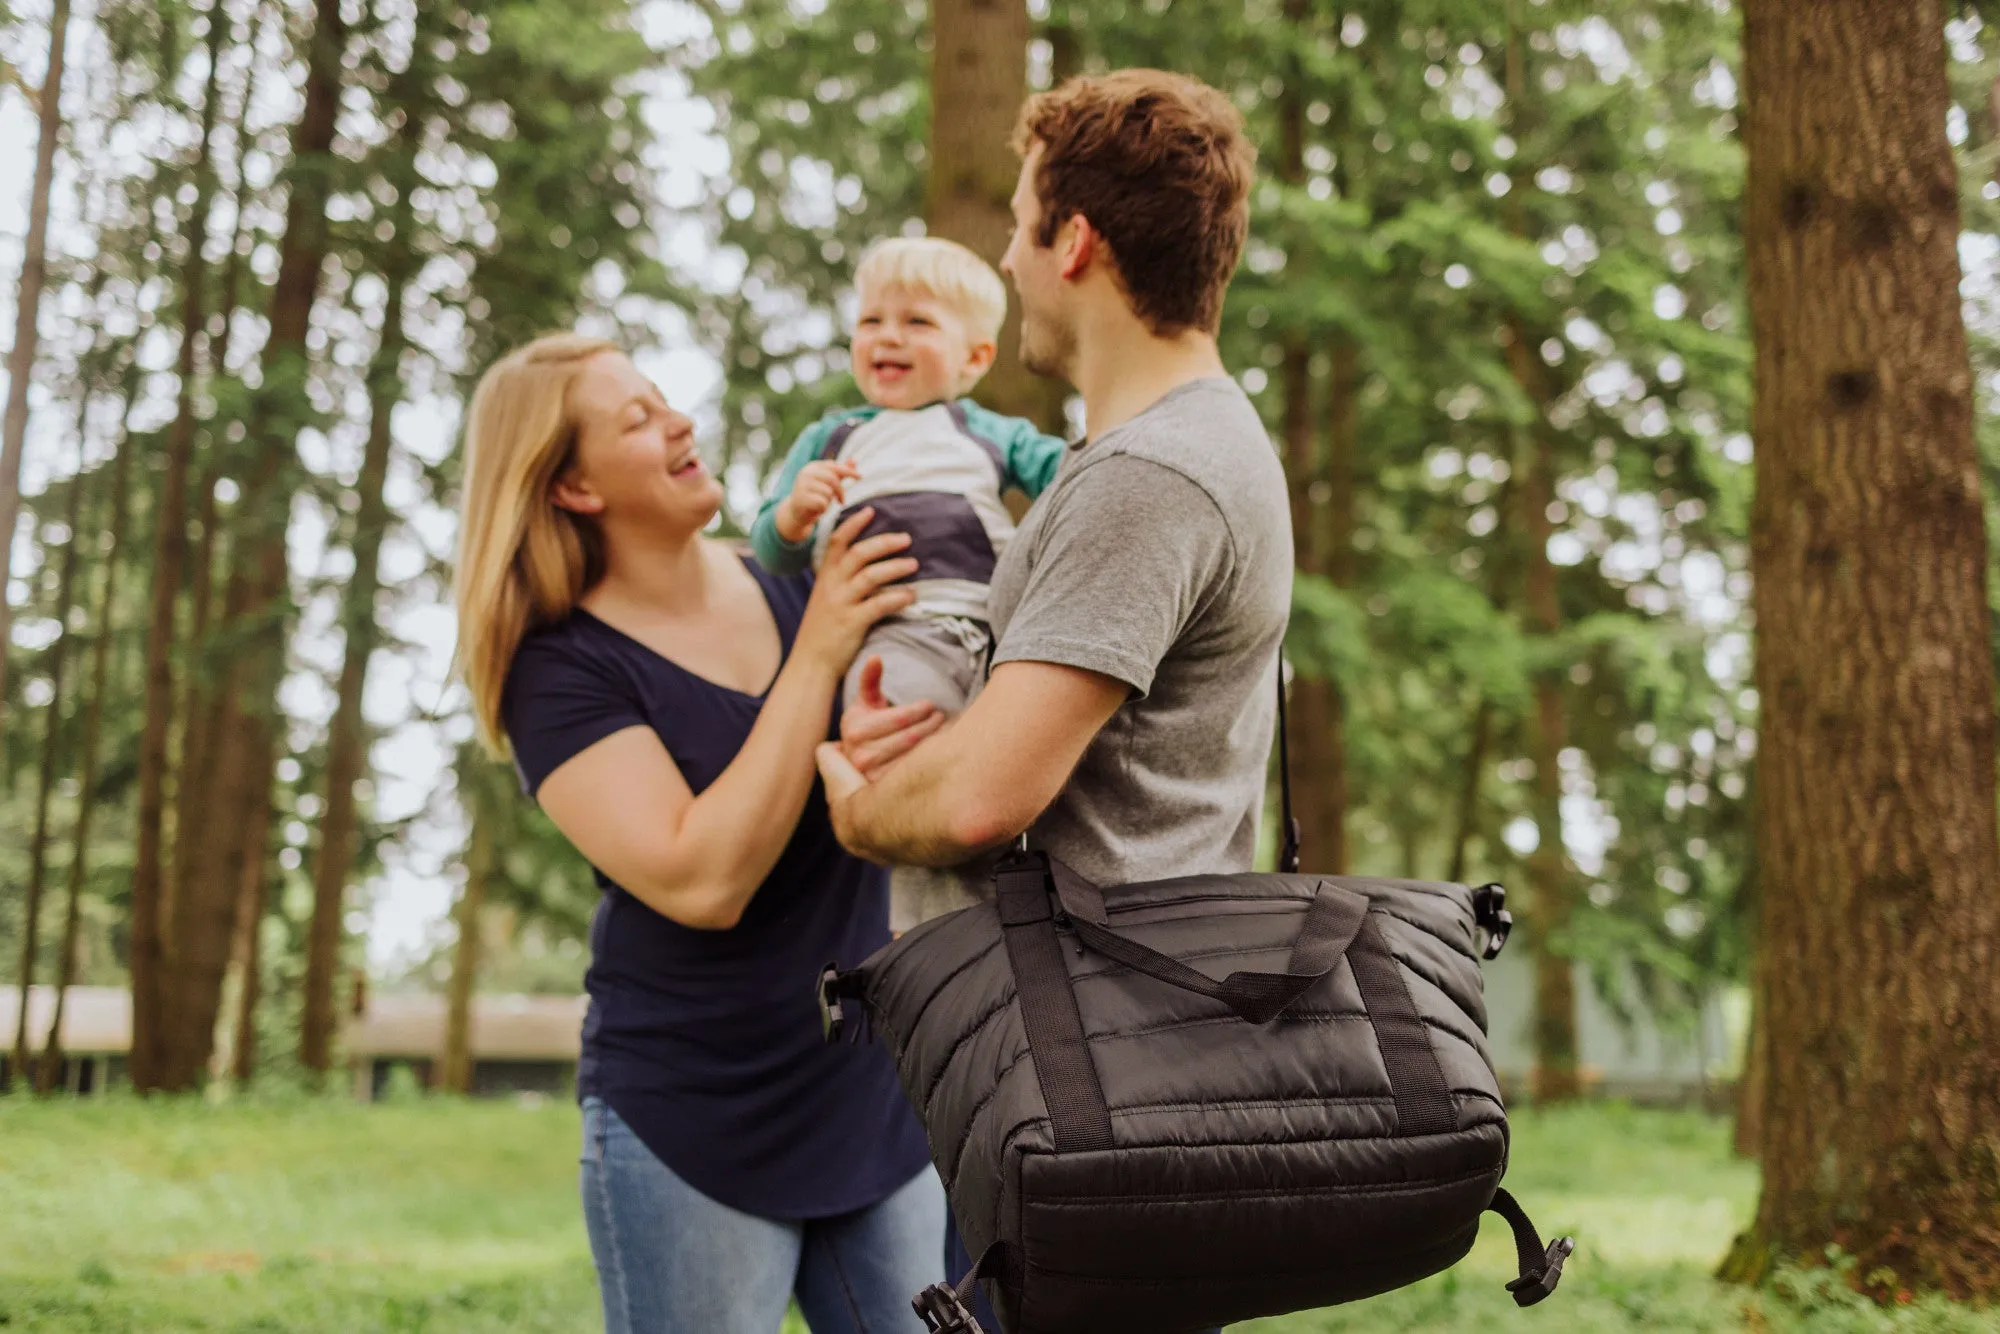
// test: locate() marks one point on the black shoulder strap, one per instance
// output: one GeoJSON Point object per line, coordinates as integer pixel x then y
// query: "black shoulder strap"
{"type": "Point", "coordinates": [1288, 853]}
{"type": "Point", "coordinates": [1079, 1119]}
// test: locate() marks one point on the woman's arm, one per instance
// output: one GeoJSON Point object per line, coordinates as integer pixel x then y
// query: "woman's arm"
{"type": "Point", "coordinates": [699, 860]}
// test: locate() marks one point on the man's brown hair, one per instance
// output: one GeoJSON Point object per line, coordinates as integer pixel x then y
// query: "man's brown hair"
{"type": "Point", "coordinates": [1158, 163]}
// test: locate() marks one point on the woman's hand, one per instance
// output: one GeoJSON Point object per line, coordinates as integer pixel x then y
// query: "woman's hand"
{"type": "Point", "coordinates": [853, 592]}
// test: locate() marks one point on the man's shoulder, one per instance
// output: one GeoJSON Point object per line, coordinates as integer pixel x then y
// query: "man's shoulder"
{"type": "Point", "coordinates": [1209, 433]}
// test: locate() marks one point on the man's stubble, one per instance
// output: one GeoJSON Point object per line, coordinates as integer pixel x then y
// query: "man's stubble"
{"type": "Point", "coordinates": [1048, 347]}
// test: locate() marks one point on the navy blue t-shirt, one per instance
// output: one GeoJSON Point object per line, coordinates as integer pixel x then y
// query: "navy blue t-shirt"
{"type": "Point", "coordinates": [708, 1043]}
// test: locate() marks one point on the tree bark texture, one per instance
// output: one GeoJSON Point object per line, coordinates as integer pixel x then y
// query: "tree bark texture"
{"type": "Point", "coordinates": [1323, 541]}
{"type": "Point", "coordinates": [979, 75]}
{"type": "Point", "coordinates": [197, 713]}
{"type": "Point", "coordinates": [347, 750]}
{"type": "Point", "coordinates": [456, 1070]}
{"type": "Point", "coordinates": [1321, 544]}
{"type": "Point", "coordinates": [27, 309]}
{"type": "Point", "coordinates": [50, 1068]}
{"type": "Point", "coordinates": [246, 955]}
{"type": "Point", "coordinates": [1876, 838]}
{"type": "Point", "coordinates": [254, 611]}
{"type": "Point", "coordinates": [1550, 882]}
{"type": "Point", "coordinates": [1750, 1087]}
{"type": "Point", "coordinates": [151, 919]}
{"type": "Point", "coordinates": [45, 777]}
{"type": "Point", "coordinates": [1468, 792]}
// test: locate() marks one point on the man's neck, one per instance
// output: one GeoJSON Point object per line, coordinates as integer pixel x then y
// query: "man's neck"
{"type": "Point", "coordinates": [652, 574]}
{"type": "Point", "coordinates": [1122, 368]}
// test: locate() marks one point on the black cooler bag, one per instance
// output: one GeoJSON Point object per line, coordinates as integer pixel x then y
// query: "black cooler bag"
{"type": "Point", "coordinates": [1173, 1105]}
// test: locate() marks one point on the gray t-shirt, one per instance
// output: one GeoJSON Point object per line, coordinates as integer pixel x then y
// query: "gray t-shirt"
{"type": "Point", "coordinates": [1160, 556]}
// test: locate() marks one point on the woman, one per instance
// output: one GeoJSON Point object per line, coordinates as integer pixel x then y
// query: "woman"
{"type": "Point", "coordinates": [662, 698]}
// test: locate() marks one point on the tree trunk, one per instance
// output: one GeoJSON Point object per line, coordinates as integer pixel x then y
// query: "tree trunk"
{"type": "Point", "coordinates": [1468, 792]}
{"type": "Point", "coordinates": [45, 779]}
{"type": "Point", "coordinates": [47, 1073]}
{"type": "Point", "coordinates": [1479, 749]}
{"type": "Point", "coordinates": [239, 766]}
{"type": "Point", "coordinates": [1750, 1086]}
{"type": "Point", "coordinates": [196, 711]}
{"type": "Point", "coordinates": [1319, 781]}
{"type": "Point", "coordinates": [1550, 880]}
{"type": "Point", "coordinates": [27, 308]}
{"type": "Point", "coordinates": [151, 918]}
{"type": "Point", "coordinates": [979, 74]}
{"type": "Point", "coordinates": [456, 1076]}
{"type": "Point", "coordinates": [1876, 840]}
{"type": "Point", "coordinates": [1319, 737]}
{"type": "Point", "coordinates": [246, 962]}
{"type": "Point", "coordinates": [347, 753]}
{"type": "Point", "coordinates": [1551, 884]}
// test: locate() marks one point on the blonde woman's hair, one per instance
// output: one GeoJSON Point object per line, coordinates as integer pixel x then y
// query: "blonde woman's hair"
{"type": "Point", "coordinates": [943, 269]}
{"type": "Point", "coordinates": [522, 561]}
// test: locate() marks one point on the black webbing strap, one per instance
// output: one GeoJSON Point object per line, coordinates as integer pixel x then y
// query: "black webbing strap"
{"type": "Point", "coordinates": [1541, 1267]}
{"type": "Point", "coordinates": [1423, 1099]}
{"type": "Point", "coordinates": [1331, 921]}
{"type": "Point", "coordinates": [945, 1308]}
{"type": "Point", "coordinates": [1078, 1116]}
{"type": "Point", "coordinates": [1288, 851]}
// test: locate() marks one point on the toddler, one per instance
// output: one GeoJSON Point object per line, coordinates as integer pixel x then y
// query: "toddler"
{"type": "Point", "coordinates": [931, 463]}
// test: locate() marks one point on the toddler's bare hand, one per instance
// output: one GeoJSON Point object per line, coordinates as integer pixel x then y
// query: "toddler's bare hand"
{"type": "Point", "coordinates": [819, 486]}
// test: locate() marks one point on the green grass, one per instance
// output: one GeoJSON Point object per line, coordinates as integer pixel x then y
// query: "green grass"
{"type": "Point", "coordinates": [318, 1216]}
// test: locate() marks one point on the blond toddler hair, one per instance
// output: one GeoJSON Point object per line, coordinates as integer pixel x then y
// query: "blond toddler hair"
{"type": "Point", "coordinates": [943, 269]}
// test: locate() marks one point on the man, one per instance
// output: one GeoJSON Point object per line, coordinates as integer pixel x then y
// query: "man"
{"type": "Point", "coordinates": [1137, 613]}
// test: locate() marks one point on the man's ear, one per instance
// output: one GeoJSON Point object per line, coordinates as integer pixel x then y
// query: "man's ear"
{"type": "Point", "coordinates": [1081, 245]}
{"type": "Point", "coordinates": [575, 495]}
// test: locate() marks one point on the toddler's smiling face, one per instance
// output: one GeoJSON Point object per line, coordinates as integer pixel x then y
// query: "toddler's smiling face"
{"type": "Point", "coordinates": [911, 349]}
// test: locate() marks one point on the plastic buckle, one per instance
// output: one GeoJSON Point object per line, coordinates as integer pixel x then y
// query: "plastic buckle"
{"type": "Point", "coordinates": [1489, 910]}
{"type": "Point", "coordinates": [1531, 1288]}
{"type": "Point", "coordinates": [942, 1312]}
{"type": "Point", "coordinates": [832, 1017]}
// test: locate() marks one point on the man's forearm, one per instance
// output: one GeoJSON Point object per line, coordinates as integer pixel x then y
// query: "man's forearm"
{"type": "Point", "coordinates": [980, 781]}
{"type": "Point", "coordinates": [911, 814]}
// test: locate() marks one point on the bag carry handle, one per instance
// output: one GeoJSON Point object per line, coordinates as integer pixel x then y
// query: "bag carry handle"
{"type": "Point", "coordinates": [1332, 921]}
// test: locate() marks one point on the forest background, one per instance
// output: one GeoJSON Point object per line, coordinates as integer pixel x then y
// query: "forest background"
{"type": "Point", "coordinates": [1494, 310]}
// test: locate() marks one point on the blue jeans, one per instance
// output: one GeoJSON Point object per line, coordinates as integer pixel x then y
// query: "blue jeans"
{"type": "Point", "coordinates": [670, 1260]}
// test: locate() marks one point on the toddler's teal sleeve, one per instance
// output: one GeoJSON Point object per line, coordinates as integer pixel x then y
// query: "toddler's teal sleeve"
{"type": "Point", "coordinates": [773, 552]}
{"type": "Point", "coordinates": [1029, 456]}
